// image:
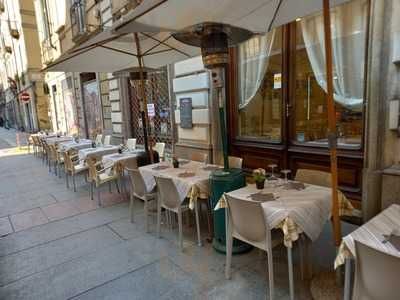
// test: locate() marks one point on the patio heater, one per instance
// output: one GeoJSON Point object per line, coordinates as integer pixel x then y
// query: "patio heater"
{"type": "Point", "coordinates": [134, 74]}
{"type": "Point", "coordinates": [214, 39]}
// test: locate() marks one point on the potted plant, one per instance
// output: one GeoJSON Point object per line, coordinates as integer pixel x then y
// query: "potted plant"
{"type": "Point", "coordinates": [259, 176]}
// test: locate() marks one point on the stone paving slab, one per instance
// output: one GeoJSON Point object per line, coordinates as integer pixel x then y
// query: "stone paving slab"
{"type": "Point", "coordinates": [159, 280]}
{"type": "Point", "coordinates": [5, 226]}
{"type": "Point", "coordinates": [62, 228]}
{"type": "Point", "coordinates": [34, 260]}
{"type": "Point", "coordinates": [77, 276]}
{"type": "Point", "coordinates": [28, 219]}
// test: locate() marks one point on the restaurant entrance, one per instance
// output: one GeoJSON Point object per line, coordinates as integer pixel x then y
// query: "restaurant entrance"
{"type": "Point", "coordinates": [277, 104]}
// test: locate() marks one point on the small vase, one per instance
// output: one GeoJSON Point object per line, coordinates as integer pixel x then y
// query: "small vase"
{"type": "Point", "coordinates": [175, 163]}
{"type": "Point", "coordinates": [260, 184]}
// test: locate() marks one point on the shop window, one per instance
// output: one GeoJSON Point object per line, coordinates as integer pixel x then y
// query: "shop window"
{"type": "Point", "coordinates": [260, 87]}
{"type": "Point", "coordinates": [349, 22]}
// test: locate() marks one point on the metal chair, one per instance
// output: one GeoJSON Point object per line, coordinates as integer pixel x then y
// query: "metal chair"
{"type": "Point", "coordinates": [107, 140]}
{"type": "Point", "coordinates": [55, 158]}
{"type": "Point", "coordinates": [131, 144]}
{"type": "Point", "coordinates": [316, 177]}
{"type": "Point", "coordinates": [71, 168]}
{"type": "Point", "coordinates": [246, 222]}
{"type": "Point", "coordinates": [100, 177]}
{"type": "Point", "coordinates": [377, 274]}
{"type": "Point", "coordinates": [139, 190]}
{"type": "Point", "coordinates": [168, 198]}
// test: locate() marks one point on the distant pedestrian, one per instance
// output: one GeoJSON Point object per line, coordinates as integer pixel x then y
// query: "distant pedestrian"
{"type": "Point", "coordinates": [1, 122]}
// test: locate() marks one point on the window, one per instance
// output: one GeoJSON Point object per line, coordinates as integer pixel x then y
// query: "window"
{"type": "Point", "coordinates": [349, 23]}
{"type": "Point", "coordinates": [260, 87]}
{"type": "Point", "coordinates": [78, 23]}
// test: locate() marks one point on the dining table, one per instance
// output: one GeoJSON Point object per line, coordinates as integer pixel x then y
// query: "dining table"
{"type": "Point", "coordinates": [98, 152]}
{"type": "Point", "coordinates": [374, 234]}
{"type": "Point", "coordinates": [58, 139]}
{"type": "Point", "coordinates": [191, 178]}
{"type": "Point", "coordinates": [127, 159]}
{"type": "Point", "coordinates": [75, 145]}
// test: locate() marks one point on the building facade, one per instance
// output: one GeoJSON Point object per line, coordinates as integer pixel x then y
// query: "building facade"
{"type": "Point", "coordinates": [26, 105]}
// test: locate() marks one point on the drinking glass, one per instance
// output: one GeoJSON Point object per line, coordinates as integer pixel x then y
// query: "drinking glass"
{"type": "Point", "coordinates": [272, 167]}
{"type": "Point", "coordinates": [285, 173]}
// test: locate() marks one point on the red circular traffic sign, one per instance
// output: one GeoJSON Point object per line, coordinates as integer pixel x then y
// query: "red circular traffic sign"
{"type": "Point", "coordinates": [25, 96]}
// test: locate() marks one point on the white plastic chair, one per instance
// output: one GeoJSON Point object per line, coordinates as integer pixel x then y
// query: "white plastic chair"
{"type": "Point", "coordinates": [107, 140]}
{"type": "Point", "coordinates": [245, 221]}
{"type": "Point", "coordinates": [235, 162]}
{"type": "Point", "coordinates": [316, 177]}
{"type": "Point", "coordinates": [160, 148]}
{"type": "Point", "coordinates": [168, 198]}
{"type": "Point", "coordinates": [139, 190]}
{"type": "Point", "coordinates": [200, 157]}
{"type": "Point", "coordinates": [99, 139]}
{"type": "Point", "coordinates": [377, 274]}
{"type": "Point", "coordinates": [131, 144]}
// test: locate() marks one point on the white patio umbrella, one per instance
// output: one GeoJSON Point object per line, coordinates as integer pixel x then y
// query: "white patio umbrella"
{"type": "Point", "coordinates": [109, 52]}
{"type": "Point", "coordinates": [256, 16]}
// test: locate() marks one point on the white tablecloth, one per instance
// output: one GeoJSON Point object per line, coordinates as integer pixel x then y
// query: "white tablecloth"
{"type": "Point", "coordinates": [294, 211]}
{"type": "Point", "coordinates": [97, 152]}
{"type": "Point", "coordinates": [56, 140]}
{"type": "Point", "coordinates": [72, 145]}
{"type": "Point", "coordinates": [127, 159]}
{"type": "Point", "coordinates": [371, 234]}
{"type": "Point", "coordinates": [187, 186]}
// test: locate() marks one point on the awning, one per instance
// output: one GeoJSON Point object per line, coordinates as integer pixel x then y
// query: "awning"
{"type": "Point", "coordinates": [258, 16]}
{"type": "Point", "coordinates": [109, 52]}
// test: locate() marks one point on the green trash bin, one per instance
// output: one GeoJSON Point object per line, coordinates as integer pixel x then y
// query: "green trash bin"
{"type": "Point", "coordinates": [222, 181]}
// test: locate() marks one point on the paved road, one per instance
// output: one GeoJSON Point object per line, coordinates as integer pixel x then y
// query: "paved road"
{"type": "Point", "coordinates": [57, 244]}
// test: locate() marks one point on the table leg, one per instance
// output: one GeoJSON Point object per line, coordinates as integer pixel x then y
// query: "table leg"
{"type": "Point", "coordinates": [290, 264]}
{"type": "Point", "coordinates": [347, 279]}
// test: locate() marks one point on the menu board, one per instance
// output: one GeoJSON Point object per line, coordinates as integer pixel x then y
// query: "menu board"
{"type": "Point", "coordinates": [185, 109]}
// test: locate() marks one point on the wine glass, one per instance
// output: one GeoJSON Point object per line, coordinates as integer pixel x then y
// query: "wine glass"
{"type": "Point", "coordinates": [285, 172]}
{"type": "Point", "coordinates": [272, 167]}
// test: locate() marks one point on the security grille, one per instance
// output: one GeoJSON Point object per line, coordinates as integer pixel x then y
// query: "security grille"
{"type": "Point", "coordinates": [158, 107]}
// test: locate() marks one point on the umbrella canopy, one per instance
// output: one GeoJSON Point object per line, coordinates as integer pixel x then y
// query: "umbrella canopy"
{"type": "Point", "coordinates": [109, 52]}
{"type": "Point", "coordinates": [257, 16]}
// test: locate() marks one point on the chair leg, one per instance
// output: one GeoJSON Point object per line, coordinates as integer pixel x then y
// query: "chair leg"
{"type": "Point", "coordinates": [158, 218]}
{"type": "Point", "coordinates": [66, 179]}
{"type": "Point", "coordinates": [229, 243]}
{"type": "Point", "coordinates": [209, 222]}
{"type": "Point", "coordinates": [290, 265]}
{"type": "Point", "coordinates": [196, 211]}
{"type": "Point", "coordinates": [270, 274]}
{"type": "Point", "coordinates": [73, 181]}
{"type": "Point", "coordinates": [146, 215]}
{"type": "Point", "coordinates": [180, 229]}
{"type": "Point", "coordinates": [131, 207]}
{"type": "Point", "coordinates": [98, 196]}
{"type": "Point", "coordinates": [117, 186]}
{"type": "Point", "coordinates": [91, 190]}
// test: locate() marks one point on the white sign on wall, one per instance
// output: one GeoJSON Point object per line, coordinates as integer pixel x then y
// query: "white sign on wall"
{"type": "Point", "coordinates": [151, 111]}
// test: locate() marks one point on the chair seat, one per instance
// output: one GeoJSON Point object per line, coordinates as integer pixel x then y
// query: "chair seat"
{"type": "Point", "coordinates": [80, 168]}
{"type": "Point", "coordinates": [104, 177]}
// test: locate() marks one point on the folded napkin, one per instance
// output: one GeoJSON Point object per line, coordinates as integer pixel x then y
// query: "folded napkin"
{"type": "Point", "coordinates": [262, 197]}
{"type": "Point", "coordinates": [393, 239]}
{"type": "Point", "coordinates": [158, 168]}
{"type": "Point", "coordinates": [186, 174]}
{"type": "Point", "coordinates": [294, 185]}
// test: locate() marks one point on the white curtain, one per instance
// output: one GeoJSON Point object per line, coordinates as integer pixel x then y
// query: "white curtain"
{"type": "Point", "coordinates": [348, 43]}
{"type": "Point", "coordinates": [253, 63]}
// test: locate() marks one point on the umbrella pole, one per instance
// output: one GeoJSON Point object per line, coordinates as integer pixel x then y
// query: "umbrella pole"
{"type": "Point", "coordinates": [332, 138]}
{"type": "Point", "coordinates": [145, 116]}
